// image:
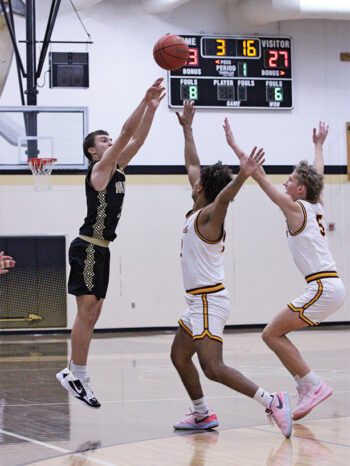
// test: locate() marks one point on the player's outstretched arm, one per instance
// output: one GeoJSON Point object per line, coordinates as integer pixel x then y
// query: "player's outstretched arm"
{"type": "Point", "coordinates": [289, 207]}
{"type": "Point", "coordinates": [153, 98]}
{"type": "Point", "coordinates": [248, 166]}
{"type": "Point", "coordinates": [213, 216]}
{"type": "Point", "coordinates": [6, 262]}
{"type": "Point", "coordinates": [192, 161]}
{"type": "Point", "coordinates": [318, 138]}
{"type": "Point", "coordinates": [231, 140]}
{"type": "Point", "coordinates": [104, 168]}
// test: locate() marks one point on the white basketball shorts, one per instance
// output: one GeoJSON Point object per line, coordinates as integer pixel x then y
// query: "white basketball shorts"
{"type": "Point", "coordinates": [322, 297]}
{"type": "Point", "coordinates": [206, 315]}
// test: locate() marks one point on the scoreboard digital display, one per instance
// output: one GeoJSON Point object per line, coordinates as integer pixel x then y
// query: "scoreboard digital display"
{"type": "Point", "coordinates": [249, 72]}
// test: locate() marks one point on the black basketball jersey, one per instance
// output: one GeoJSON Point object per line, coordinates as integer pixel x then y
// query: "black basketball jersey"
{"type": "Point", "coordinates": [104, 208]}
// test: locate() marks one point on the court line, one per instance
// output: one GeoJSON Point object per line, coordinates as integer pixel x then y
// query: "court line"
{"type": "Point", "coordinates": [327, 442]}
{"type": "Point", "coordinates": [154, 400]}
{"type": "Point", "coordinates": [295, 436]}
{"type": "Point", "coordinates": [53, 447]}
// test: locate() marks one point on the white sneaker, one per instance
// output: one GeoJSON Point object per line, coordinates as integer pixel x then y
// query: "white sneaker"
{"type": "Point", "coordinates": [309, 397]}
{"type": "Point", "coordinates": [279, 413]}
{"type": "Point", "coordinates": [78, 388]}
{"type": "Point", "coordinates": [191, 422]}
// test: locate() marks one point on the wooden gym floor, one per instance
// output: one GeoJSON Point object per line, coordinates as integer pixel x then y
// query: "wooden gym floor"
{"type": "Point", "coordinates": [141, 396]}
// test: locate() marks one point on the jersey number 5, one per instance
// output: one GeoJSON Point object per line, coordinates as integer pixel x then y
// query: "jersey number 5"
{"type": "Point", "coordinates": [320, 224]}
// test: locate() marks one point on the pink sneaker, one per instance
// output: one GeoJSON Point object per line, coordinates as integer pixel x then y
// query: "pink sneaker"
{"type": "Point", "coordinates": [279, 413]}
{"type": "Point", "coordinates": [192, 421]}
{"type": "Point", "coordinates": [309, 397]}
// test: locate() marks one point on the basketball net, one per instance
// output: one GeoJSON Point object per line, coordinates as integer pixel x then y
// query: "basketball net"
{"type": "Point", "coordinates": [41, 170]}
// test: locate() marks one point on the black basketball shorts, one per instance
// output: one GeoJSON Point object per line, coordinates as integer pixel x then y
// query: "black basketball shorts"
{"type": "Point", "coordinates": [89, 269]}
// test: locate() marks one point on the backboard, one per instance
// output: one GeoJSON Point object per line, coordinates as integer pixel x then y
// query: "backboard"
{"type": "Point", "coordinates": [51, 132]}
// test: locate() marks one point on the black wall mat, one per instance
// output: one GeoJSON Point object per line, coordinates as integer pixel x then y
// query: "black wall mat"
{"type": "Point", "coordinates": [33, 293]}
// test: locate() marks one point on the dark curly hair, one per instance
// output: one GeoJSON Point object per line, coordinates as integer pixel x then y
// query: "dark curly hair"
{"type": "Point", "coordinates": [89, 141]}
{"type": "Point", "coordinates": [307, 175]}
{"type": "Point", "coordinates": [214, 178]}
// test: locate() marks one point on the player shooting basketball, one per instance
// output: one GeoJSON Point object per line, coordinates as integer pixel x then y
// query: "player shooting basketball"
{"type": "Point", "coordinates": [89, 255]}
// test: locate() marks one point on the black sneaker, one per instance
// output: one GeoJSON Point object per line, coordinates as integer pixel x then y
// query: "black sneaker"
{"type": "Point", "coordinates": [78, 388]}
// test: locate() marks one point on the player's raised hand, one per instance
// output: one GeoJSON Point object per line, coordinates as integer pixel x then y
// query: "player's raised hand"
{"type": "Point", "coordinates": [319, 136]}
{"type": "Point", "coordinates": [249, 165]}
{"type": "Point", "coordinates": [155, 94]}
{"type": "Point", "coordinates": [186, 118]}
{"type": "Point", "coordinates": [231, 141]}
{"type": "Point", "coordinates": [156, 85]}
{"type": "Point", "coordinates": [6, 262]}
{"type": "Point", "coordinates": [228, 133]}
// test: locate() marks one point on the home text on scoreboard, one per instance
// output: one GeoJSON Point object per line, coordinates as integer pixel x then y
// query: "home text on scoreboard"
{"type": "Point", "coordinates": [234, 72]}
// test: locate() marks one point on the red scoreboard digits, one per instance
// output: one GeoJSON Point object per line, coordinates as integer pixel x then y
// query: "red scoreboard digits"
{"type": "Point", "coordinates": [276, 58]}
{"type": "Point", "coordinates": [193, 57]}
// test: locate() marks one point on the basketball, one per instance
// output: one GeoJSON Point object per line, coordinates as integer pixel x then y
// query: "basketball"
{"type": "Point", "coordinates": [171, 52]}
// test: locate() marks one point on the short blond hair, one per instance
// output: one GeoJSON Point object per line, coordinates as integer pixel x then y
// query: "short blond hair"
{"type": "Point", "coordinates": [307, 175]}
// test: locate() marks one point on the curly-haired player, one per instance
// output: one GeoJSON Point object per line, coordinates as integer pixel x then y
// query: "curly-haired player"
{"type": "Point", "coordinates": [208, 304]}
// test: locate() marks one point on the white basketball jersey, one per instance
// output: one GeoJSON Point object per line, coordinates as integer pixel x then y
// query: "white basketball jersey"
{"type": "Point", "coordinates": [309, 245]}
{"type": "Point", "coordinates": [201, 260]}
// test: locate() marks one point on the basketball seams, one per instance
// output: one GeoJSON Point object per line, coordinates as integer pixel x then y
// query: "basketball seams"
{"type": "Point", "coordinates": [174, 63]}
{"type": "Point", "coordinates": [164, 49]}
{"type": "Point", "coordinates": [171, 52]}
{"type": "Point", "coordinates": [167, 54]}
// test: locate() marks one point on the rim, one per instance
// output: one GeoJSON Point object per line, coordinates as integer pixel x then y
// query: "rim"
{"type": "Point", "coordinates": [39, 161]}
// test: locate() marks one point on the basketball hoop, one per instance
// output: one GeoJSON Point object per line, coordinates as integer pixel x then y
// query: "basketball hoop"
{"type": "Point", "coordinates": [41, 170]}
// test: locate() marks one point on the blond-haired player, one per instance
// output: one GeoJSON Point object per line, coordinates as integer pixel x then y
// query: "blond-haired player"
{"type": "Point", "coordinates": [302, 206]}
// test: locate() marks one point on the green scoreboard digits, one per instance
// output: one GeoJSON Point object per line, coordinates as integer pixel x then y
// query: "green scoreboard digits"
{"type": "Point", "coordinates": [234, 72]}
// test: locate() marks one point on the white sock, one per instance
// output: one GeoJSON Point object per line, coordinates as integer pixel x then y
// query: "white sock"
{"type": "Point", "coordinates": [79, 372]}
{"type": "Point", "coordinates": [263, 397]}
{"type": "Point", "coordinates": [297, 379]}
{"type": "Point", "coordinates": [200, 406]}
{"type": "Point", "coordinates": [310, 378]}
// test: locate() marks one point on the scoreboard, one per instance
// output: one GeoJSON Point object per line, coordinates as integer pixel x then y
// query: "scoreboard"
{"type": "Point", "coordinates": [252, 72]}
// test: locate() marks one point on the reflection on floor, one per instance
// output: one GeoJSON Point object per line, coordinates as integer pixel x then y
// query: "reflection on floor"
{"type": "Point", "coordinates": [142, 396]}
